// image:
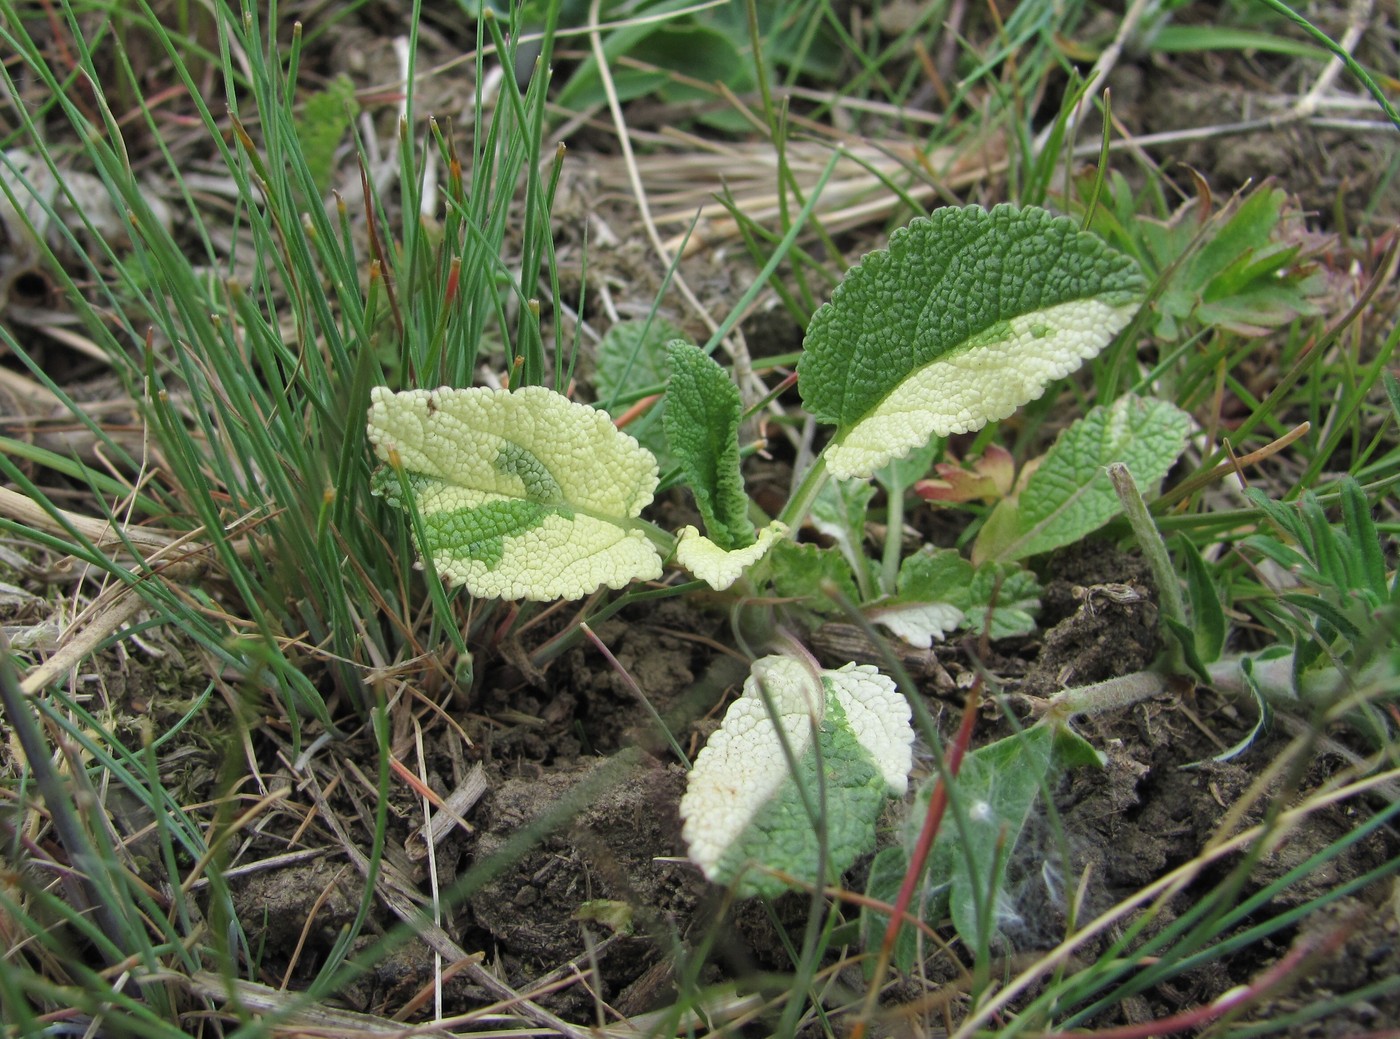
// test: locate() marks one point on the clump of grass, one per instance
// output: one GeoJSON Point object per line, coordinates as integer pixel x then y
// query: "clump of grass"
{"type": "Point", "coordinates": [250, 355]}
{"type": "Point", "coordinates": [245, 331]}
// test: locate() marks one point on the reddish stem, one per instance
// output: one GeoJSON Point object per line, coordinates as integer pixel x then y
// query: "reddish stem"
{"type": "Point", "coordinates": [376, 250]}
{"type": "Point", "coordinates": [933, 819]}
{"type": "Point", "coordinates": [636, 410]}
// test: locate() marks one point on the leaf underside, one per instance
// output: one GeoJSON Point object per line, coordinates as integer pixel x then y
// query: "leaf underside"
{"type": "Point", "coordinates": [719, 567]}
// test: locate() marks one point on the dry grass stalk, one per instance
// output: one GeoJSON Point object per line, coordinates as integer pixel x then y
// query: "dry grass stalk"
{"type": "Point", "coordinates": [683, 186]}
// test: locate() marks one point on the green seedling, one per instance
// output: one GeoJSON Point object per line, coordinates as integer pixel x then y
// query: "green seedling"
{"type": "Point", "coordinates": [965, 317]}
{"type": "Point", "coordinates": [936, 591]}
{"type": "Point", "coordinates": [1058, 499]}
{"type": "Point", "coordinates": [1330, 603]}
{"type": "Point", "coordinates": [1241, 268]}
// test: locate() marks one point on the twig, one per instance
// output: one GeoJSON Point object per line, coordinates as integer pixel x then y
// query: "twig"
{"type": "Point", "coordinates": [96, 625]}
{"type": "Point", "coordinates": [1357, 17]}
{"type": "Point", "coordinates": [1100, 72]}
{"type": "Point", "coordinates": [451, 813]}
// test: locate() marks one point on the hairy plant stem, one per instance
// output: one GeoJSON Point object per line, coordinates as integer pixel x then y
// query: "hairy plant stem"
{"type": "Point", "coordinates": [1172, 619]}
{"type": "Point", "coordinates": [1271, 676]}
{"type": "Point", "coordinates": [1149, 539]}
{"type": "Point", "coordinates": [1110, 694]}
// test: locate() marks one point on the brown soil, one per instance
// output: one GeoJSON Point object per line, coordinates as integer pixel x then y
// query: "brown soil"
{"type": "Point", "coordinates": [607, 893]}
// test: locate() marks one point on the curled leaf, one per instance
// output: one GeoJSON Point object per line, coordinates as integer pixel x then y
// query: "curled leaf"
{"type": "Point", "coordinates": [719, 567]}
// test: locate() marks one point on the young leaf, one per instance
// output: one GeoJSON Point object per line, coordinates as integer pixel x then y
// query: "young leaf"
{"type": "Point", "coordinates": [632, 357]}
{"type": "Point", "coordinates": [1365, 542]}
{"type": "Point", "coordinates": [522, 495]}
{"type": "Point", "coordinates": [849, 736]}
{"type": "Point", "coordinates": [1207, 611]}
{"type": "Point", "coordinates": [720, 567]}
{"type": "Point", "coordinates": [967, 316]}
{"type": "Point", "coordinates": [990, 478]}
{"type": "Point", "coordinates": [801, 572]}
{"type": "Point", "coordinates": [1070, 495]}
{"type": "Point", "coordinates": [702, 428]}
{"type": "Point", "coordinates": [939, 587]}
{"type": "Point", "coordinates": [839, 513]}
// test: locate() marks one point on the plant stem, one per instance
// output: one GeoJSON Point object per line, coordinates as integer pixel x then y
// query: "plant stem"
{"type": "Point", "coordinates": [1342, 55]}
{"type": "Point", "coordinates": [1111, 694]}
{"type": "Point", "coordinates": [1172, 608]}
{"type": "Point", "coordinates": [1271, 675]}
{"type": "Point", "coordinates": [795, 512]}
{"type": "Point", "coordinates": [1149, 539]}
{"type": "Point", "coordinates": [894, 530]}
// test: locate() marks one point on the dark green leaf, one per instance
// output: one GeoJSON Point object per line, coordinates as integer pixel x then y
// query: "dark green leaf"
{"type": "Point", "coordinates": [1247, 229]}
{"type": "Point", "coordinates": [1070, 495]}
{"type": "Point", "coordinates": [1361, 529]}
{"type": "Point", "coordinates": [996, 788]}
{"type": "Point", "coordinates": [801, 571]}
{"type": "Point", "coordinates": [1190, 651]}
{"type": "Point", "coordinates": [1327, 612]}
{"type": "Point", "coordinates": [1206, 600]}
{"type": "Point", "coordinates": [1011, 593]}
{"type": "Point", "coordinates": [703, 409]}
{"type": "Point", "coordinates": [1267, 546]}
{"type": "Point", "coordinates": [886, 877]}
{"type": "Point", "coordinates": [632, 359]}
